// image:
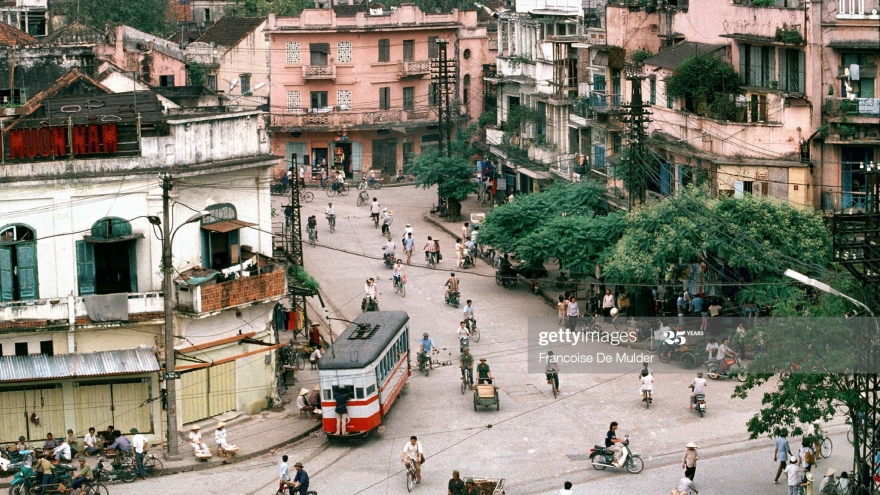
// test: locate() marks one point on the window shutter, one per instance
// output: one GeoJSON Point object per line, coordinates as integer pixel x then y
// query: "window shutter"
{"type": "Point", "coordinates": [784, 82]}
{"type": "Point", "coordinates": [802, 71]}
{"type": "Point", "coordinates": [7, 292]}
{"type": "Point", "coordinates": [743, 70]}
{"type": "Point", "coordinates": [234, 254]}
{"type": "Point", "coordinates": [132, 265]}
{"type": "Point", "coordinates": [357, 156]}
{"type": "Point", "coordinates": [738, 189]}
{"type": "Point", "coordinates": [771, 65]}
{"type": "Point", "coordinates": [207, 259]}
{"type": "Point", "coordinates": [26, 261]}
{"type": "Point", "coordinates": [85, 268]}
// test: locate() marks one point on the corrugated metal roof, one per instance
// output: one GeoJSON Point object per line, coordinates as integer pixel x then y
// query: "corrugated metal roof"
{"type": "Point", "coordinates": [44, 367]}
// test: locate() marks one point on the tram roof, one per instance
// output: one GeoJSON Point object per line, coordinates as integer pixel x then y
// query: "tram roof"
{"type": "Point", "coordinates": [364, 340]}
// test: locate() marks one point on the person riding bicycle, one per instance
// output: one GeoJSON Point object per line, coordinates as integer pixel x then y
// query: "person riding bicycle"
{"type": "Point", "coordinates": [397, 272]}
{"type": "Point", "coordinates": [412, 453]}
{"type": "Point", "coordinates": [463, 335]}
{"type": "Point", "coordinates": [451, 284]}
{"type": "Point", "coordinates": [386, 221]}
{"type": "Point", "coordinates": [466, 365]}
{"type": "Point", "coordinates": [426, 345]}
{"type": "Point", "coordinates": [363, 185]}
{"type": "Point", "coordinates": [312, 225]}
{"type": "Point", "coordinates": [647, 385]}
{"type": "Point", "coordinates": [484, 374]}
{"type": "Point", "coordinates": [388, 250]}
{"type": "Point", "coordinates": [467, 315]}
{"type": "Point", "coordinates": [551, 371]}
{"type": "Point", "coordinates": [370, 299]}
{"type": "Point", "coordinates": [331, 215]}
{"type": "Point", "coordinates": [375, 208]}
{"type": "Point", "coordinates": [339, 181]}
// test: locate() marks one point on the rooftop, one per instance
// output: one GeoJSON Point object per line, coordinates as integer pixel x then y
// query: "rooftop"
{"type": "Point", "coordinates": [672, 57]}
{"type": "Point", "coordinates": [104, 363]}
{"type": "Point", "coordinates": [229, 31]}
{"type": "Point", "coordinates": [75, 33]}
{"type": "Point", "coordinates": [9, 36]}
{"type": "Point", "coordinates": [364, 340]}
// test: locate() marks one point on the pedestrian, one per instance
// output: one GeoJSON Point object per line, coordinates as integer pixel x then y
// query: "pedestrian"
{"type": "Point", "coordinates": [793, 471]}
{"type": "Point", "coordinates": [455, 485]}
{"type": "Point", "coordinates": [466, 231]}
{"type": "Point", "coordinates": [458, 249]}
{"type": "Point", "coordinates": [408, 244]}
{"type": "Point", "coordinates": [341, 413]}
{"type": "Point", "coordinates": [807, 483]}
{"type": "Point", "coordinates": [607, 305]}
{"type": "Point", "coordinates": [432, 250]}
{"type": "Point", "coordinates": [781, 453]}
{"type": "Point", "coordinates": [689, 462]}
{"type": "Point", "coordinates": [44, 468]}
{"type": "Point", "coordinates": [560, 309]}
{"type": "Point", "coordinates": [302, 176]}
{"type": "Point", "coordinates": [139, 444]}
{"type": "Point", "coordinates": [566, 489]}
{"type": "Point", "coordinates": [386, 221]}
{"type": "Point", "coordinates": [806, 456]}
{"type": "Point", "coordinates": [681, 305]}
{"type": "Point", "coordinates": [288, 214]}
{"type": "Point", "coordinates": [685, 487]}
{"type": "Point", "coordinates": [573, 313]}
{"type": "Point", "coordinates": [323, 176]}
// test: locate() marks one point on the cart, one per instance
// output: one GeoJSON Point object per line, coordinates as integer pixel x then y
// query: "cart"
{"type": "Point", "coordinates": [486, 395]}
{"type": "Point", "coordinates": [489, 486]}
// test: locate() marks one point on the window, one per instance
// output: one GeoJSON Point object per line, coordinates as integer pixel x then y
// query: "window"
{"type": "Point", "coordinates": [343, 99]}
{"type": "Point", "coordinates": [319, 53]}
{"type": "Point", "coordinates": [409, 50]}
{"type": "Point", "coordinates": [47, 348]}
{"type": "Point", "coordinates": [319, 99]}
{"type": "Point", "coordinates": [758, 108]}
{"type": "Point", "coordinates": [245, 83]}
{"type": "Point", "coordinates": [466, 53]}
{"type": "Point", "coordinates": [106, 260]}
{"type": "Point", "coordinates": [791, 70]}
{"type": "Point", "coordinates": [21, 348]}
{"type": "Point", "coordinates": [863, 87]}
{"type": "Point", "coordinates": [757, 65]}
{"type": "Point", "coordinates": [166, 81]}
{"type": "Point", "coordinates": [385, 156]}
{"type": "Point", "coordinates": [407, 155]}
{"type": "Point", "coordinates": [653, 93]}
{"type": "Point", "coordinates": [15, 96]}
{"type": "Point", "coordinates": [384, 50]}
{"type": "Point", "coordinates": [384, 98]}
{"type": "Point", "coordinates": [466, 90]}
{"type": "Point", "coordinates": [220, 237]}
{"type": "Point", "coordinates": [211, 80]}
{"type": "Point", "coordinates": [207, 15]}
{"type": "Point", "coordinates": [854, 181]}
{"type": "Point", "coordinates": [293, 52]}
{"type": "Point", "coordinates": [18, 263]}
{"type": "Point", "coordinates": [599, 156]}
{"type": "Point", "coordinates": [408, 98]}
{"type": "Point", "coordinates": [850, 8]}
{"type": "Point", "coordinates": [343, 52]}
{"type": "Point", "coordinates": [294, 101]}
{"type": "Point", "coordinates": [433, 94]}
{"type": "Point", "coordinates": [541, 124]}
{"type": "Point", "coordinates": [616, 142]}
{"type": "Point", "coordinates": [433, 47]}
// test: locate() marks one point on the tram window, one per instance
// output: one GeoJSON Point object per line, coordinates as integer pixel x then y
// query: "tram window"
{"type": "Point", "coordinates": [371, 389]}
{"type": "Point", "coordinates": [347, 390]}
{"type": "Point", "coordinates": [358, 393]}
{"type": "Point", "coordinates": [328, 395]}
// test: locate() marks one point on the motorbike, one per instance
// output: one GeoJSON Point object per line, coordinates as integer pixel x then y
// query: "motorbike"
{"type": "Point", "coordinates": [467, 261]}
{"type": "Point", "coordinates": [700, 404]}
{"type": "Point", "coordinates": [27, 481]}
{"type": "Point", "coordinates": [734, 369]}
{"type": "Point", "coordinates": [118, 471]}
{"type": "Point", "coordinates": [424, 362]}
{"type": "Point", "coordinates": [602, 458]}
{"type": "Point", "coordinates": [11, 461]}
{"type": "Point", "coordinates": [369, 304]}
{"type": "Point", "coordinates": [452, 299]}
{"type": "Point", "coordinates": [389, 260]}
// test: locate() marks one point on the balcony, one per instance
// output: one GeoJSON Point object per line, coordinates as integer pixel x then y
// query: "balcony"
{"type": "Point", "coordinates": [600, 102]}
{"type": "Point", "coordinates": [333, 119]}
{"type": "Point", "coordinates": [65, 311]}
{"type": "Point", "coordinates": [264, 283]}
{"type": "Point", "coordinates": [407, 69]}
{"type": "Point", "coordinates": [855, 110]}
{"type": "Point", "coordinates": [845, 202]}
{"type": "Point", "coordinates": [311, 72]}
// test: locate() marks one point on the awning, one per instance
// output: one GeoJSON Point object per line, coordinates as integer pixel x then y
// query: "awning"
{"type": "Point", "coordinates": [535, 174]}
{"type": "Point", "coordinates": [227, 226]}
{"type": "Point", "coordinates": [855, 45]}
{"type": "Point", "coordinates": [104, 363]}
{"type": "Point", "coordinates": [109, 240]}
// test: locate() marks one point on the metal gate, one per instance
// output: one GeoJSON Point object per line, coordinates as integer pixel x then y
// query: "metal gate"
{"type": "Point", "coordinates": [122, 403]}
{"type": "Point", "coordinates": [207, 392]}
{"type": "Point", "coordinates": [21, 404]}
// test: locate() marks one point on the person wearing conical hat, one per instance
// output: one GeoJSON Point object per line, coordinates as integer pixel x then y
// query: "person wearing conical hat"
{"type": "Point", "coordinates": [689, 462]}
{"type": "Point", "coordinates": [220, 438]}
{"type": "Point", "coordinates": [195, 439]}
{"type": "Point", "coordinates": [302, 403]}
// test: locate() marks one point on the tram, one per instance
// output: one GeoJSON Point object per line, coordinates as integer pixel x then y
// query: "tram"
{"type": "Point", "coordinates": [368, 364]}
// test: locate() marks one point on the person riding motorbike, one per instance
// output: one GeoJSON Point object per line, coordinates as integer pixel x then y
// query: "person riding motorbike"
{"type": "Point", "coordinates": [388, 249]}
{"type": "Point", "coordinates": [451, 284]}
{"type": "Point", "coordinates": [698, 386]}
{"type": "Point", "coordinates": [726, 356]}
{"type": "Point", "coordinates": [426, 345]}
{"type": "Point", "coordinates": [463, 334]}
{"type": "Point", "coordinates": [614, 444]}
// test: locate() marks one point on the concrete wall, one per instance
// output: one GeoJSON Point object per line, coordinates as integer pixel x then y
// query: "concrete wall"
{"type": "Point", "coordinates": [37, 67]}
{"type": "Point", "coordinates": [148, 55]}
{"type": "Point", "coordinates": [250, 56]}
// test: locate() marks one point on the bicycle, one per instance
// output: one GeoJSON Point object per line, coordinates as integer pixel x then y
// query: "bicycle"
{"type": "Point", "coordinates": [340, 190]}
{"type": "Point", "coordinates": [410, 475]}
{"type": "Point", "coordinates": [648, 399]}
{"type": "Point", "coordinates": [550, 379]}
{"type": "Point", "coordinates": [153, 467]}
{"type": "Point", "coordinates": [306, 196]}
{"type": "Point", "coordinates": [331, 219]}
{"type": "Point", "coordinates": [284, 485]}
{"type": "Point", "coordinates": [623, 322]}
{"type": "Point", "coordinates": [399, 287]}
{"type": "Point", "coordinates": [313, 237]}
{"type": "Point", "coordinates": [363, 198]}
{"type": "Point", "coordinates": [471, 324]}
{"type": "Point", "coordinates": [467, 379]}
{"type": "Point", "coordinates": [95, 488]}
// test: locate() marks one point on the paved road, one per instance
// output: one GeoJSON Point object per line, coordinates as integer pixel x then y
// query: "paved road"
{"type": "Point", "coordinates": [530, 440]}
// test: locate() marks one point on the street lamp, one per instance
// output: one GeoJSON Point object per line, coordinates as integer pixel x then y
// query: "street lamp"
{"type": "Point", "coordinates": [170, 380]}
{"type": "Point", "coordinates": [800, 277]}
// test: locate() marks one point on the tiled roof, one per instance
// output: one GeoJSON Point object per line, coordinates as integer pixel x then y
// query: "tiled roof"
{"type": "Point", "coordinates": [104, 363]}
{"type": "Point", "coordinates": [62, 82]}
{"type": "Point", "coordinates": [75, 33]}
{"type": "Point", "coordinates": [672, 57]}
{"type": "Point", "coordinates": [230, 30]}
{"type": "Point", "coordinates": [10, 36]}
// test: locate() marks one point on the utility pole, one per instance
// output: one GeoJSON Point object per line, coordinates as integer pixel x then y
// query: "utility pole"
{"type": "Point", "coordinates": [637, 118]}
{"type": "Point", "coordinates": [442, 78]}
{"type": "Point", "coordinates": [295, 252]}
{"type": "Point", "coordinates": [170, 382]}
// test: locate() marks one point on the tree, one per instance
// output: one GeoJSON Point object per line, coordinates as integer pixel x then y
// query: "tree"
{"type": "Point", "coordinates": [262, 8]}
{"type": "Point", "coordinates": [149, 16]}
{"type": "Point", "coordinates": [196, 73]}
{"type": "Point", "coordinates": [705, 80]}
{"type": "Point", "coordinates": [578, 242]}
{"type": "Point", "coordinates": [452, 175]}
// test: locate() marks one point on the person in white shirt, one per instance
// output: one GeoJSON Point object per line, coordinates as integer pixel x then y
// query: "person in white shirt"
{"type": "Point", "coordinates": [686, 487]}
{"type": "Point", "coordinates": [712, 350]}
{"type": "Point", "coordinates": [331, 215]}
{"type": "Point", "coordinates": [566, 489]}
{"type": "Point", "coordinates": [607, 304]}
{"type": "Point", "coordinates": [698, 386]}
{"type": "Point", "coordinates": [315, 356]}
{"type": "Point", "coordinates": [302, 176]}
{"type": "Point", "coordinates": [387, 219]}
{"type": "Point", "coordinates": [220, 438]}
{"type": "Point", "coordinates": [89, 442]}
{"type": "Point", "coordinates": [375, 209]}
{"type": "Point", "coordinates": [388, 249]}
{"type": "Point", "coordinates": [195, 440]}
{"type": "Point", "coordinates": [283, 473]}
{"type": "Point", "coordinates": [412, 452]}
{"type": "Point", "coordinates": [62, 452]}
{"type": "Point", "coordinates": [463, 334]}
{"type": "Point", "coordinates": [371, 300]}
{"type": "Point", "coordinates": [647, 382]}
{"type": "Point", "coordinates": [139, 445]}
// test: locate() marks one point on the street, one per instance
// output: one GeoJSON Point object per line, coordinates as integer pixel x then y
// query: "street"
{"type": "Point", "coordinates": [534, 442]}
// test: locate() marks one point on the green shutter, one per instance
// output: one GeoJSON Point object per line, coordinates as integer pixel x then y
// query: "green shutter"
{"type": "Point", "coordinates": [357, 152]}
{"type": "Point", "coordinates": [207, 259]}
{"type": "Point", "coordinates": [85, 267]}
{"type": "Point", "coordinates": [132, 265]}
{"type": "Point", "coordinates": [26, 261]}
{"type": "Point", "coordinates": [802, 74]}
{"type": "Point", "coordinates": [7, 292]}
{"type": "Point", "coordinates": [784, 83]}
{"type": "Point", "coordinates": [234, 252]}
{"type": "Point", "coordinates": [743, 56]}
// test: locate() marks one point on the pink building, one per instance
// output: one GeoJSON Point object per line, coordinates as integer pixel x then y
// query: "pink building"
{"type": "Point", "coordinates": [353, 86]}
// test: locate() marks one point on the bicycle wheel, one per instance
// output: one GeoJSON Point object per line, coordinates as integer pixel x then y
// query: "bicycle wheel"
{"type": "Point", "coordinates": [312, 239]}
{"type": "Point", "coordinates": [308, 196]}
{"type": "Point", "coordinates": [553, 387]}
{"type": "Point", "coordinates": [300, 361]}
{"type": "Point", "coordinates": [360, 200]}
{"type": "Point", "coordinates": [128, 474]}
{"type": "Point", "coordinates": [619, 322]}
{"type": "Point", "coordinates": [97, 489]}
{"type": "Point", "coordinates": [330, 192]}
{"type": "Point", "coordinates": [651, 344]}
{"type": "Point", "coordinates": [402, 290]}
{"type": "Point", "coordinates": [825, 448]}
{"type": "Point", "coordinates": [475, 333]}
{"type": "Point", "coordinates": [153, 467]}
{"type": "Point", "coordinates": [410, 480]}
{"type": "Point", "coordinates": [376, 185]}
{"type": "Point", "coordinates": [463, 385]}
{"type": "Point", "coordinates": [688, 360]}
{"type": "Point", "coordinates": [343, 190]}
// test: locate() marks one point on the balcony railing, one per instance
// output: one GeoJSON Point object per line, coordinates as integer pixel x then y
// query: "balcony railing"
{"type": "Point", "coordinates": [604, 103]}
{"type": "Point", "coordinates": [564, 165]}
{"type": "Point", "coordinates": [349, 118]}
{"type": "Point", "coordinates": [405, 69]}
{"type": "Point", "coordinates": [40, 313]}
{"type": "Point", "coordinates": [269, 282]}
{"type": "Point", "coordinates": [846, 202]}
{"type": "Point", "coordinates": [852, 107]}
{"type": "Point", "coordinates": [319, 71]}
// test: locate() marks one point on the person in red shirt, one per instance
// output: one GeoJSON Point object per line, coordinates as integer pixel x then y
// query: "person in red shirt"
{"type": "Point", "coordinates": [314, 335]}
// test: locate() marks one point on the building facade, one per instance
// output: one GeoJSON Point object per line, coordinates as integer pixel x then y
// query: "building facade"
{"type": "Point", "coordinates": [353, 87]}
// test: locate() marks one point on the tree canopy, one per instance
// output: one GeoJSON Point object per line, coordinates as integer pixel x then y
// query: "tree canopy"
{"type": "Point", "coordinates": [262, 8]}
{"type": "Point", "coordinates": [149, 16]}
{"type": "Point", "coordinates": [705, 79]}
{"type": "Point", "coordinates": [452, 175]}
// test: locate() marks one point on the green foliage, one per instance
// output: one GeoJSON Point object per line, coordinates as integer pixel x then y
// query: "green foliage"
{"type": "Point", "coordinates": [488, 118]}
{"type": "Point", "coordinates": [515, 62]}
{"type": "Point", "coordinates": [262, 8]}
{"type": "Point", "coordinates": [301, 278]}
{"type": "Point", "coordinates": [789, 35]}
{"type": "Point", "coordinates": [578, 242]}
{"type": "Point", "coordinates": [763, 3]}
{"type": "Point", "coordinates": [149, 16]}
{"type": "Point", "coordinates": [725, 232]}
{"type": "Point", "coordinates": [451, 175]}
{"type": "Point", "coordinates": [518, 115]}
{"type": "Point", "coordinates": [706, 78]}
{"type": "Point", "coordinates": [640, 54]}
{"type": "Point", "coordinates": [196, 73]}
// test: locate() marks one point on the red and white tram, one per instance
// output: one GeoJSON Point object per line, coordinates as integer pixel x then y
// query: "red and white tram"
{"type": "Point", "coordinates": [368, 363]}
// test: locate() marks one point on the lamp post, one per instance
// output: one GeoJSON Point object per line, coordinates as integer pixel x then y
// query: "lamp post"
{"type": "Point", "coordinates": [169, 376]}
{"type": "Point", "coordinates": [800, 277]}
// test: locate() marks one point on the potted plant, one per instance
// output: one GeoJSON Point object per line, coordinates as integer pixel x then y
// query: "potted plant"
{"type": "Point", "coordinates": [774, 84]}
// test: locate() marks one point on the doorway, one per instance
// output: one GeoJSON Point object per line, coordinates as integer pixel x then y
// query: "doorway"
{"type": "Point", "coordinates": [113, 267]}
{"type": "Point", "coordinates": [319, 155]}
